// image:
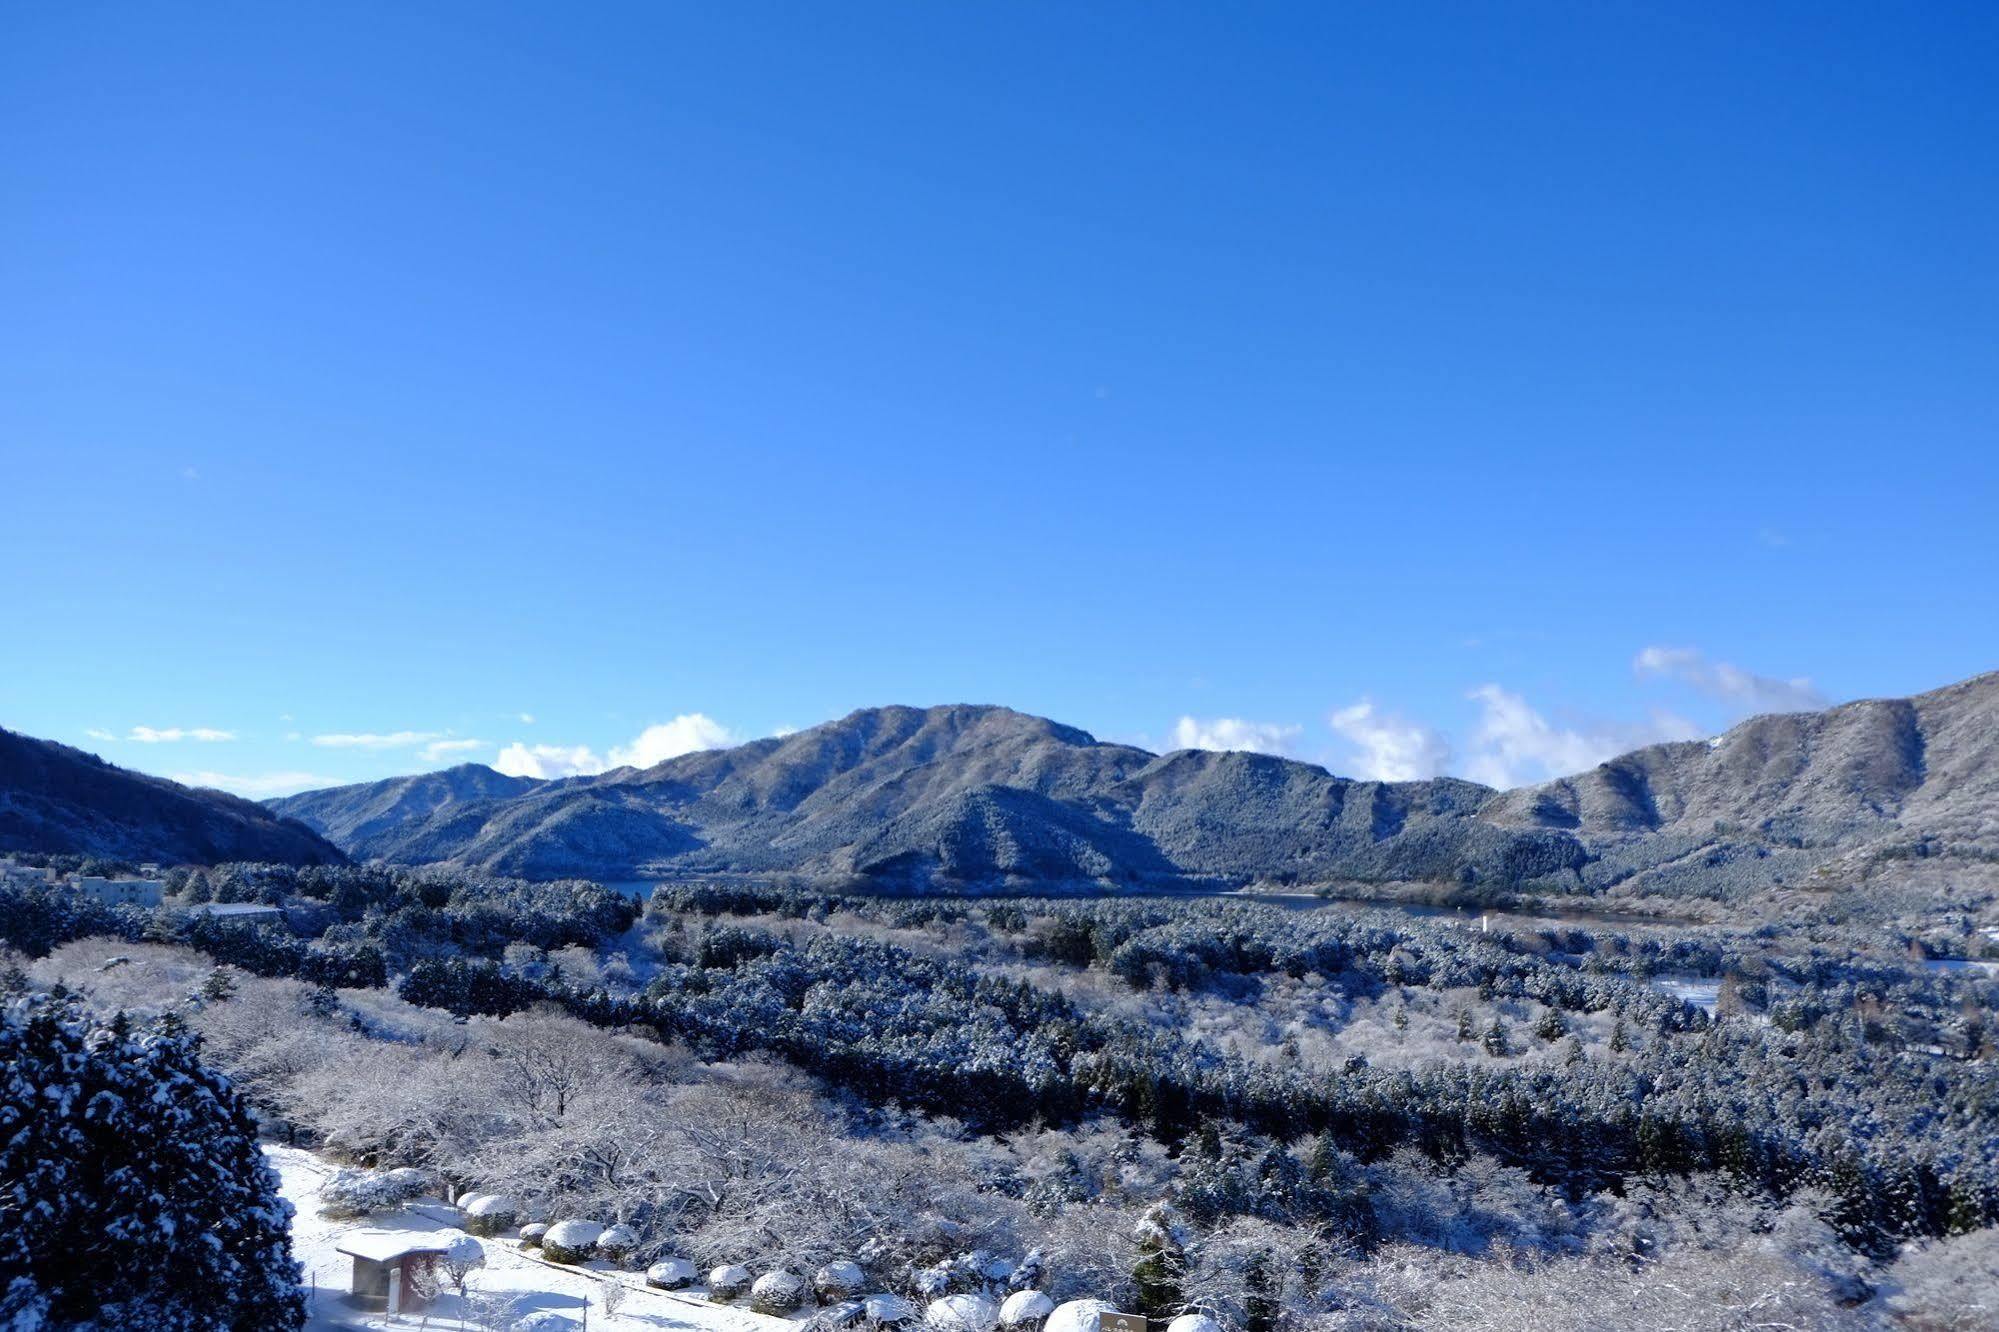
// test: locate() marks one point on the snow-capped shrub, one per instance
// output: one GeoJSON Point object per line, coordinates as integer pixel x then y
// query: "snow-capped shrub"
{"type": "Point", "coordinates": [491, 1213]}
{"type": "Point", "coordinates": [1025, 1310]}
{"type": "Point", "coordinates": [352, 1194]}
{"type": "Point", "coordinates": [1193, 1322]}
{"type": "Point", "coordinates": [887, 1310]}
{"type": "Point", "coordinates": [531, 1235]}
{"type": "Point", "coordinates": [418, 1182]}
{"type": "Point", "coordinates": [839, 1281]}
{"type": "Point", "coordinates": [1076, 1316]}
{"type": "Point", "coordinates": [463, 1251]}
{"type": "Point", "coordinates": [728, 1283]}
{"type": "Point", "coordinates": [670, 1274]}
{"type": "Point", "coordinates": [777, 1293]}
{"type": "Point", "coordinates": [546, 1320]}
{"type": "Point", "coordinates": [574, 1242]}
{"type": "Point", "coordinates": [617, 1243]}
{"type": "Point", "coordinates": [961, 1313]}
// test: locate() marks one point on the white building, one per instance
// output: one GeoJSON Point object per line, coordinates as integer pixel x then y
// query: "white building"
{"type": "Point", "coordinates": [120, 892]}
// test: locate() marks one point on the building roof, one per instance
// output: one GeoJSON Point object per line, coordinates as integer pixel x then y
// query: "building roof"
{"type": "Point", "coordinates": [383, 1246]}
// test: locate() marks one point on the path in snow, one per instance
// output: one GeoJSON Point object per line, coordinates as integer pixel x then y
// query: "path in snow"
{"type": "Point", "coordinates": [530, 1283]}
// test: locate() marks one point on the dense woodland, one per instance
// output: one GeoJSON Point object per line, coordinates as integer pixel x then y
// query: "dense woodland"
{"type": "Point", "coordinates": [1355, 1118]}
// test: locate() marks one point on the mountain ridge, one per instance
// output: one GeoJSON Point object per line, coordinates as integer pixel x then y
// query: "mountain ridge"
{"type": "Point", "coordinates": [54, 798]}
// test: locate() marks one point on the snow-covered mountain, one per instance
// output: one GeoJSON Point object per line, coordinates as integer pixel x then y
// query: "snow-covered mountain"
{"type": "Point", "coordinates": [965, 796]}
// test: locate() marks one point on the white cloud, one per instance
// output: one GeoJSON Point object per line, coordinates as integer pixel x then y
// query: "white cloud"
{"type": "Point", "coordinates": [783, 731]}
{"type": "Point", "coordinates": [1514, 745]}
{"type": "Point", "coordinates": [1741, 689]}
{"type": "Point", "coordinates": [161, 735]}
{"type": "Point", "coordinates": [661, 741]}
{"type": "Point", "coordinates": [1234, 733]}
{"type": "Point", "coordinates": [1390, 748]}
{"type": "Point", "coordinates": [548, 761]}
{"type": "Point", "coordinates": [664, 740]}
{"type": "Point", "coordinates": [438, 749]}
{"type": "Point", "coordinates": [527, 719]}
{"type": "Point", "coordinates": [256, 786]}
{"type": "Point", "coordinates": [99, 733]}
{"type": "Point", "coordinates": [375, 740]}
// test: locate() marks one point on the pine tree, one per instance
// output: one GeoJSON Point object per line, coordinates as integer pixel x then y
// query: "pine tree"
{"type": "Point", "coordinates": [1551, 1027]}
{"type": "Point", "coordinates": [1495, 1038]}
{"type": "Point", "coordinates": [1464, 1024]}
{"type": "Point", "coordinates": [132, 1190]}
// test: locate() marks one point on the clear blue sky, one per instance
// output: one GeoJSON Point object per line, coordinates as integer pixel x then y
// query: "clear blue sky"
{"type": "Point", "coordinates": [370, 369]}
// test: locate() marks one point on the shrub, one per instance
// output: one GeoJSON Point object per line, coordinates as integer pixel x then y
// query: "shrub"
{"type": "Point", "coordinates": [570, 1241]}
{"type": "Point", "coordinates": [777, 1293]}
{"type": "Point", "coordinates": [671, 1274]}
{"type": "Point", "coordinates": [728, 1283]}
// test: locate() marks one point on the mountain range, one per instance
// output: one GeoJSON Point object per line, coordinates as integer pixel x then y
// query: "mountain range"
{"type": "Point", "coordinates": [57, 799]}
{"type": "Point", "coordinates": [980, 798]}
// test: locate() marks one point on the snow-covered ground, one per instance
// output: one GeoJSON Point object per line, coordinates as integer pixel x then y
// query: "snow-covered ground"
{"type": "Point", "coordinates": [526, 1284]}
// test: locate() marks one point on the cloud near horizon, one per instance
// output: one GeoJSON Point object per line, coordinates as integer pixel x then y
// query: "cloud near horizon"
{"type": "Point", "coordinates": [257, 786]}
{"type": "Point", "coordinates": [1514, 745]}
{"type": "Point", "coordinates": [685, 734]}
{"type": "Point", "coordinates": [1743, 690]}
{"type": "Point", "coordinates": [1389, 748]}
{"type": "Point", "coordinates": [166, 735]}
{"type": "Point", "coordinates": [1235, 733]}
{"type": "Point", "coordinates": [378, 739]}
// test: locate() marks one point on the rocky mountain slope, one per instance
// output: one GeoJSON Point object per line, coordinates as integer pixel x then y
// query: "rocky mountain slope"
{"type": "Point", "coordinates": [964, 798]}
{"type": "Point", "coordinates": [57, 799]}
{"type": "Point", "coordinates": [355, 815]}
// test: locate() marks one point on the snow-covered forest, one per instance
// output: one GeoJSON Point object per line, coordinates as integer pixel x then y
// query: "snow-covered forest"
{"type": "Point", "coordinates": [1339, 1118]}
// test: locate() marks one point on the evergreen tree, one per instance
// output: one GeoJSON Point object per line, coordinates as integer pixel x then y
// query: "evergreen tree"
{"type": "Point", "coordinates": [132, 1190]}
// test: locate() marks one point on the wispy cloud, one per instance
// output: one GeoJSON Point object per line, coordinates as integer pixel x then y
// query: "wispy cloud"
{"type": "Point", "coordinates": [443, 749]}
{"type": "Point", "coordinates": [527, 719]}
{"type": "Point", "coordinates": [256, 786]}
{"type": "Point", "coordinates": [1513, 744]}
{"type": "Point", "coordinates": [1389, 748]}
{"type": "Point", "coordinates": [378, 740]}
{"type": "Point", "coordinates": [166, 735]}
{"type": "Point", "coordinates": [1235, 733]}
{"type": "Point", "coordinates": [99, 733]}
{"type": "Point", "coordinates": [1743, 690]}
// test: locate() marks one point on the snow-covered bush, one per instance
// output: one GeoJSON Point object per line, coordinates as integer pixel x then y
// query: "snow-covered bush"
{"type": "Point", "coordinates": [531, 1234]}
{"type": "Point", "coordinates": [671, 1274]}
{"type": "Point", "coordinates": [546, 1320]}
{"type": "Point", "coordinates": [838, 1281]}
{"type": "Point", "coordinates": [888, 1310]}
{"type": "Point", "coordinates": [961, 1313]}
{"type": "Point", "coordinates": [1025, 1311]}
{"type": "Point", "coordinates": [132, 1182]}
{"type": "Point", "coordinates": [1193, 1322]}
{"type": "Point", "coordinates": [352, 1194]}
{"type": "Point", "coordinates": [570, 1241]}
{"type": "Point", "coordinates": [728, 1283]}
{"type": "Point", "coordinates": [490, 1213]}
{"type": "Point", "coordinates": [1076, 1316]}
{"type": "Point", "coordinates": [617, 1243]}
{"type": "Point", "coordinates": [777, 1293]}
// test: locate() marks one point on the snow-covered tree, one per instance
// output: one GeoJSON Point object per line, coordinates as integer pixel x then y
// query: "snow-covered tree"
{"type": "Point", "coordinates": [132, 1190]}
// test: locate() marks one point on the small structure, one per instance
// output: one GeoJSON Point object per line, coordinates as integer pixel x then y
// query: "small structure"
{"type": "Point", "coordinates": [386, 1263]}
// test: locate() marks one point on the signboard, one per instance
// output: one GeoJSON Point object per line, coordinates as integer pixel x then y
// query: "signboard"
{"type": "Point", "coordinates": [1120, 1322]}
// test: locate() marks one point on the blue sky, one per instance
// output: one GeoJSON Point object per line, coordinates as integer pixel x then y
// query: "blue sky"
{"type": "Point", "coordinates": [1411, 387]}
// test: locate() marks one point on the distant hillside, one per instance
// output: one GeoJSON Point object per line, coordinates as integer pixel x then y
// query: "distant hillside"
{"type": "Point", "coordinates": [1779, 796]}
{"type": "Point", "coordinates": [354, 815]}
{"type": "Point", "coordinates": [57, 799]}
{"type": "Point", "coordinates": [972, 797]}
{"type": "Point", "coordinates": [969, 798]}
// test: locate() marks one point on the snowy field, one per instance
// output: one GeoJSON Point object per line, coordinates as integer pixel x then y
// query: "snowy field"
{"type": "Point", "coordinates": [511, 1286]}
